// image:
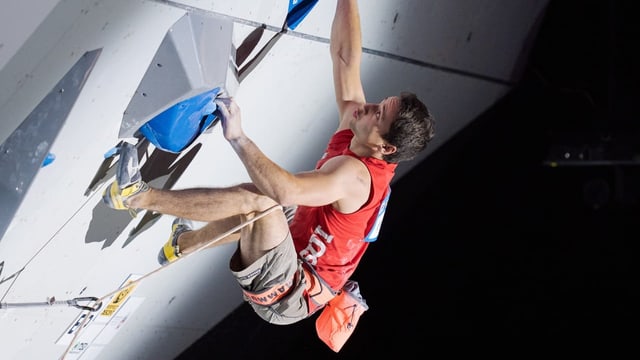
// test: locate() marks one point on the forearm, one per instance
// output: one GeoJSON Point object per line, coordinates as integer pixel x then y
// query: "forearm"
{"type": "Point", "coordinates": [346, 37]}
{"type": "Point", "coordinates": [271, 179]}
{"type": "Point", "coordinates": [346, 55]}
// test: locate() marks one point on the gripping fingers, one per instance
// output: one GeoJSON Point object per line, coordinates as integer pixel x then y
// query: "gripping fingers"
{"type": "Point", "coordinates": [224, 103]}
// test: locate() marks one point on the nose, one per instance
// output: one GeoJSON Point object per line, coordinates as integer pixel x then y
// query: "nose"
{"type": "Point", "coordinates": [368, 108]}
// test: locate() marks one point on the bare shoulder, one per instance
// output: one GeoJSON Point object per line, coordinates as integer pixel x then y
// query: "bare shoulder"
{"type": "Point", "coordinates": [353, 177]}
{"type": "Point", "coordinates": [345, 165]}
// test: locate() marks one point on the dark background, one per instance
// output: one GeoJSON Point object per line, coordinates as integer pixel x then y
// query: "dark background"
{"type": "Point", "coordinates": [485, 238]}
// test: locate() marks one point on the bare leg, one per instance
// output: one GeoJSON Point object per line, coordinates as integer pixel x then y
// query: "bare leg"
{"type": "Point", "coordinates": [262, 235]}
{"type": "Point", "coordinates": [203, 204]}
{"type": "Point", "coordinates": [222, 208]}
{"type": "Point", "coordinates": [255, 238]}
{"type": "Point", "coordinates": [192, 240]}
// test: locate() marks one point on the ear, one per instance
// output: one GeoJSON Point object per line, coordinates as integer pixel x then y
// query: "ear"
{"type": "Point", "coordinates": [387, 149]}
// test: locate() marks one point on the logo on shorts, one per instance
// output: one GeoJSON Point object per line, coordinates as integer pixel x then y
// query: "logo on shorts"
{"type": "Point", "coordinates": [271, 296]}
{"type": "Point", "coordinates": [250, 275]}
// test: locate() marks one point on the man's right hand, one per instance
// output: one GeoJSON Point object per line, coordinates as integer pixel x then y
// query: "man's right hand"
{"type": "Point", "coordinates": [231, 119]}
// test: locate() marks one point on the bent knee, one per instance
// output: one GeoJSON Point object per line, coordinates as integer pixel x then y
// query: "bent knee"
{"type": "Point", "coordinates": [253, 201]}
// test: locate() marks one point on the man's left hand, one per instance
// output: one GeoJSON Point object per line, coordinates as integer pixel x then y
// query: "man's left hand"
{"type": "Point", "coordinates": [231, 119]}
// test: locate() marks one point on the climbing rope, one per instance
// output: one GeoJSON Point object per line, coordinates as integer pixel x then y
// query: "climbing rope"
{"type": "Point", "coordinates": [92, 304]}
{"type": "Point", "coordinates": [129, 284]}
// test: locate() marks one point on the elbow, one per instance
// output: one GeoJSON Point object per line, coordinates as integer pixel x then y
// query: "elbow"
{"type": "Point", "coordinates": [288, 195]}
{"type": "Point", "coordinates": [346, 58]}
{"type": "Point", "coordinates": [285, 199]}
{"type": "Point", "coordinates": [336, 53]}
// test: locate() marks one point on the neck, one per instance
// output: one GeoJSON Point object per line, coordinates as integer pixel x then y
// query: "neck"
{"type": "Point", "coordinates": [364, 150]}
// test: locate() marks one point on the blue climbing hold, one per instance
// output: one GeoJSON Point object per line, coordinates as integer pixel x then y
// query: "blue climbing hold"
{"type": "Point", "coordinates": [298, 10]}
{"type": "Point", "coordinates": [176, 128]}
{"type": "Point", "coordinates": [48, 159]}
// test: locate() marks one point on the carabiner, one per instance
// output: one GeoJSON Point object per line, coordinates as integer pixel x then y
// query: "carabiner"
{"type": "Point", "coordinates": [91, 299]}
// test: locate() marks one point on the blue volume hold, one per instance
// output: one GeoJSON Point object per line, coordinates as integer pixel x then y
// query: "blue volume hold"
{"type": "Point", "coordinates": [178, 126]}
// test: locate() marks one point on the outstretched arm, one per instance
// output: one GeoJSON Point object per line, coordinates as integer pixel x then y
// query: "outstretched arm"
{"type": "Point", "coordinates": [346, 55]}
{"type": "Point", "coordinates": [339, 181]}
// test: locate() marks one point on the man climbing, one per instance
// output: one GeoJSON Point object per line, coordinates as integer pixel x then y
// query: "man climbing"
{"type": "Point", "coordinates": [299, 261]}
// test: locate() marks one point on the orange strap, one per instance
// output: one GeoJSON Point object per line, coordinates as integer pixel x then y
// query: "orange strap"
{"type": "Point", "coordinates": [271, 295]}
{"type": "Point", "coordinates": [319, 292]}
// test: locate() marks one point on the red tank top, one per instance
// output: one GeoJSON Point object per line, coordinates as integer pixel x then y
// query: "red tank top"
{"type": "Point", "coordinates": [332, 242]}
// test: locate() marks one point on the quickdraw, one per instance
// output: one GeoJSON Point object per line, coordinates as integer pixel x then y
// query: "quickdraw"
{"type": "Point", "coordinates": [89, 303]}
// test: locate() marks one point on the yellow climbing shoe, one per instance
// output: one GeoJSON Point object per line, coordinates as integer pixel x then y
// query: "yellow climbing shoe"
{"type": "Point", "coordinates": [116, 198]}
{"type": "Point", "coordinates": [170, 252]}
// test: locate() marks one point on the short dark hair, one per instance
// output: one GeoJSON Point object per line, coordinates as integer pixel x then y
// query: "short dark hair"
{"type": "Point", "coordinates": [411, 130]}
